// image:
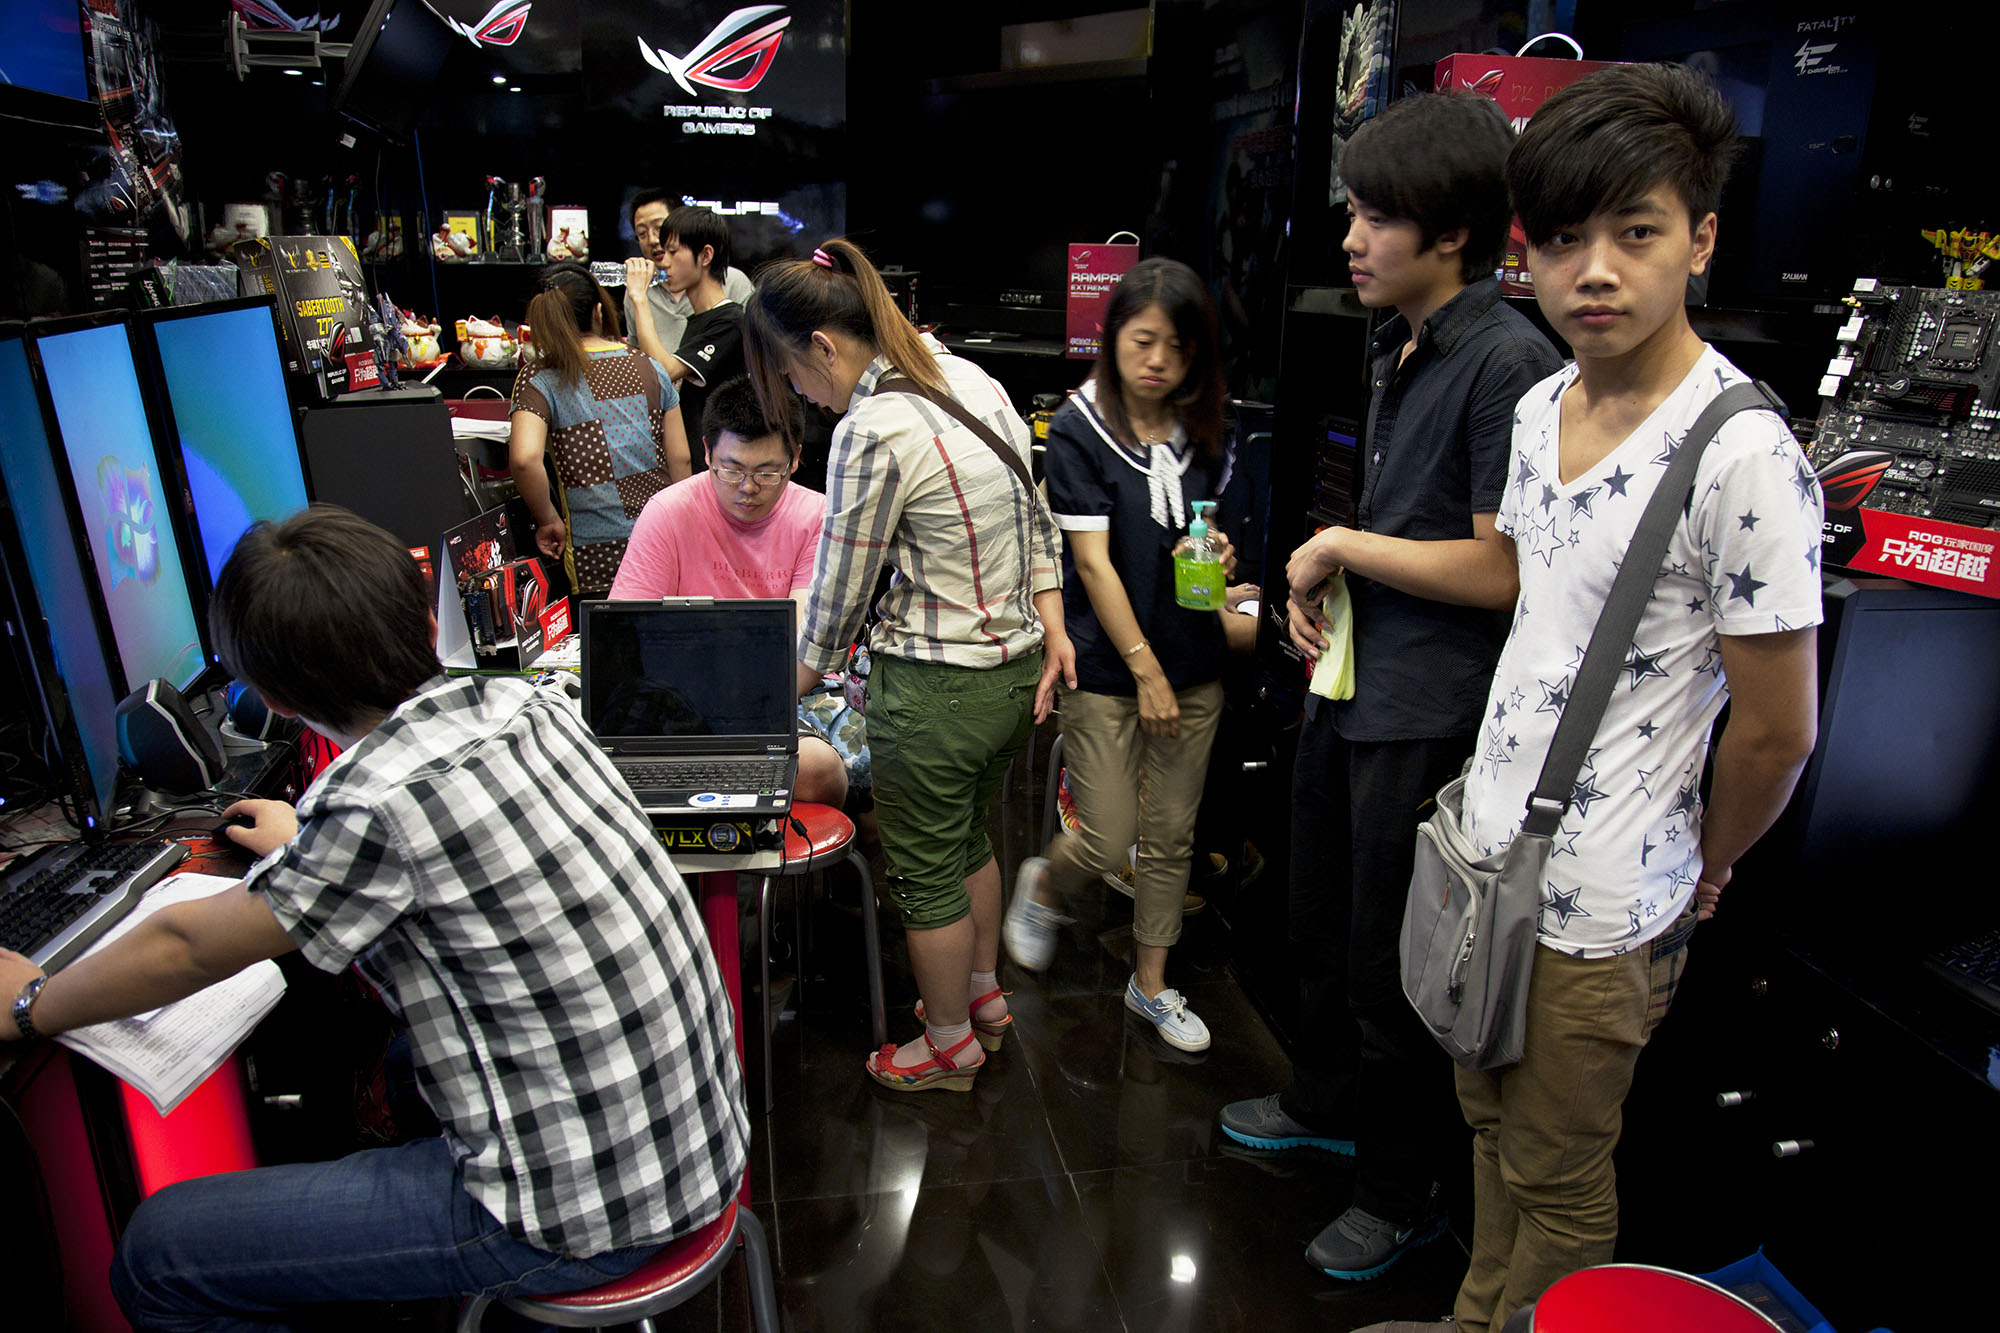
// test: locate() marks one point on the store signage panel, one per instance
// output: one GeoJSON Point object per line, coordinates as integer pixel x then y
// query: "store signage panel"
{"type": "Point", "coordinates": [1093, 271]}
{"type": "Point", "coordinates": [1922, 550]}
{"type": "Point", "coordinates": [718, 70]}
{"type": "Point", "coordinates": [521, 36]}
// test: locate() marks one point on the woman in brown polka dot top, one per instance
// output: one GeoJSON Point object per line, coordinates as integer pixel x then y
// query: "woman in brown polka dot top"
{"type": "Point", "coordinates": [609, 418]}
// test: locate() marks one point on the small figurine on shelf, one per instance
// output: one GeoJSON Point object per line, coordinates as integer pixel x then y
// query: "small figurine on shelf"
{"type": "Point", "coordinates": [391, 347]}
{"type": "Point", "coordinates": [386, 241]}
{"type": "Point", "coordinates": [486, 345]}
{"type": "Point", "coordinates": [561, 248]}
{"type": "Point", "coordinates": [1965, 255]}
{"type": "Point", "coordinates": [450, 246]}
{"type": "Point", "coordinates": [420, 341]}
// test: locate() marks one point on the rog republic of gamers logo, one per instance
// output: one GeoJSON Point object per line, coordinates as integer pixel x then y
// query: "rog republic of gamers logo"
{"type": "Point", "coordinates": [500, 25]}
{"type": "Point", "coordinates": [748, 36]}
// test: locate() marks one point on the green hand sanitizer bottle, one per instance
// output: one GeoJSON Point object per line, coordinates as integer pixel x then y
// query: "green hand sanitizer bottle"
{"type": "Point", "coordinates": [1198, 583]}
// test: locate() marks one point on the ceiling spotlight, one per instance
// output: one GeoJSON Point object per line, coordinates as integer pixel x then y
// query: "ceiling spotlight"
{"type": "Point", "coordinates": [513, 87]}
{"type": "Point", "coordinates": [295, 72]}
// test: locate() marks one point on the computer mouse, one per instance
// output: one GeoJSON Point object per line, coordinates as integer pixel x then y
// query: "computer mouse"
{"type": "Point", "coordinates": [220, 833]}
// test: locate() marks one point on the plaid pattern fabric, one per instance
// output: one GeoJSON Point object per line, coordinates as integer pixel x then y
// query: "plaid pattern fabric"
{"type": "Point", "coordinates": [480, 858]}
{"type": "Point", "coordinates": [604, 437]}
{"type": "Point", "coordinates": [910, 487]}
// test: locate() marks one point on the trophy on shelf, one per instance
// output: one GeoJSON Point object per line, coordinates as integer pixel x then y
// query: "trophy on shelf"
{"type": "Point", "coordinates": [515, 230]}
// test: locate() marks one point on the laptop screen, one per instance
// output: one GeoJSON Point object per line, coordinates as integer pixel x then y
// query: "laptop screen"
{"type": "Point", "coordinates": [722, 670]}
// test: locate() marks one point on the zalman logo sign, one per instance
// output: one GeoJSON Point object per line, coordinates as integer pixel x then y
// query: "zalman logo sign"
{"type": "Point", "coordinates": [499, 26]}
{"type": "Point", "coordinates": [734, 57]}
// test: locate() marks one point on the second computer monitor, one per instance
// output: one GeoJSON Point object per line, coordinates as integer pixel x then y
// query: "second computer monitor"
{"type": "Point", "coordinates": [107, 443]}
{"type": "Point", "coordinates": [225, 407]}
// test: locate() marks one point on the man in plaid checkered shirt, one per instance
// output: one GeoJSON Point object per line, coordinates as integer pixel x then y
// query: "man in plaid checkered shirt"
{"type": "Point", "coordinates": [475, 854]}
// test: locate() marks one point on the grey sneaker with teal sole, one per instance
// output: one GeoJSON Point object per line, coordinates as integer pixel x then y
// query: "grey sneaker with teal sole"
{"type": "Point", "coordinates": [1358, 1245]}
{"type": "Point", "coordinates": [1260, 1122]}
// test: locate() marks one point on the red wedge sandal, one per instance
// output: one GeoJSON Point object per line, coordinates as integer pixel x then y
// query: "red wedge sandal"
{"type": "Point", "coordinates": [942, 1070]}
{"type": "Point", "coordinates": [990, 1034]}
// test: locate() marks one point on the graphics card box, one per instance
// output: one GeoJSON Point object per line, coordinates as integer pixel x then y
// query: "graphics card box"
{"type": "Point", "coordinates": [494, 608]}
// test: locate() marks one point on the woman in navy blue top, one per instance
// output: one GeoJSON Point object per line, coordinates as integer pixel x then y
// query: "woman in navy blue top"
{"type": "Point", "coordinates": [1128, 455]}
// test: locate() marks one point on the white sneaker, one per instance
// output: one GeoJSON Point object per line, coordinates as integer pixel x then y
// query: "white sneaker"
{"type": "Point", "coordinates": [1168, 1013]}
{"type": "Point", "coordinates": [1029, 931]}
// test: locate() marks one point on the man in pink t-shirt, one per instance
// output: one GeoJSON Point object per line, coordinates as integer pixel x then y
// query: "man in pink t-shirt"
{"type": "Point", "coordinates": [739, 529]}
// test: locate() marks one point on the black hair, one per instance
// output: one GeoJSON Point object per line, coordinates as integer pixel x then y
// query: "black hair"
{"type": "Point", "coordinates": [695, 227]}
{"type": "Point", "coordinates": [732, 406]}
{"type": "Point", "coordinates": [652, 194]}
{"type": "Point", "coordinates": [325, 616]}
{"type": "Point", "coordinates": [1609, 138]}
{"type": "Point", "coordinates": [560, 314]}
{"type": "Point", "coordinates": [797, 297]}
{"type": "Point", "coordinates": [1438, 160]}
{"type": "Point", "coordinates": [1178, 292]}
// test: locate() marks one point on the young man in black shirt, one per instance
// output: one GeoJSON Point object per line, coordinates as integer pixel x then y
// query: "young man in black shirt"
{"type": "Point", "coordinates": [694, 252]}
{"type": "Point", "coordinates": [1428, 213]}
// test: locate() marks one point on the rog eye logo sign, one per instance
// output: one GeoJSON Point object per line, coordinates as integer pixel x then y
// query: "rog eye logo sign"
{"type": "Point", "coordinates": [1846, 481]}
{"type": "Point", "coordinates": [747, 34]}
{"type": "Point", "coordinates": [500, 26]}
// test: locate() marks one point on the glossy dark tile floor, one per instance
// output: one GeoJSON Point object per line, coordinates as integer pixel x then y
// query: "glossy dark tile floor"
{"type": "Point", "coordinates": [1082, 1184]}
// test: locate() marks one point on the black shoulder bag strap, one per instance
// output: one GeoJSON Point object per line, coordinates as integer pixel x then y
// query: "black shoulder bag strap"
{"type": "Point", "coordinates": [902, 384]}
{"type": "Point", "coordinates": [1590, 692]}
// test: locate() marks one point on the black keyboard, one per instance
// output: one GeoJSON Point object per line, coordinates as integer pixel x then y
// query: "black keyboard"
{"type": "Point", "coordinates": [723, 775]}
{"type": "Point", "coordinates": [55, 903]}
{"type": "Point", "coordinates": [1972, 968]}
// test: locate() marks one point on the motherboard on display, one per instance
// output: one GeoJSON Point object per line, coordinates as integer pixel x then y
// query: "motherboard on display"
{"type": "Point", "coordinates": [1910, 406]}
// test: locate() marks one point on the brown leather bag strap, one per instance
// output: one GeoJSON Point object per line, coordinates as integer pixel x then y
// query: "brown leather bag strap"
{"type": "Point", "coordinates": [903, 384]}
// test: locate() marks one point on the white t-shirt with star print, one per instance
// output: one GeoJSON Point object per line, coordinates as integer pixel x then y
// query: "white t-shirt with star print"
{"type": "Point", "coordinates": [1744, 560]}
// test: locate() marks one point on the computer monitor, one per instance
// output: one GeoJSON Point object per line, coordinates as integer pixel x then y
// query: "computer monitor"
{"type": "Point", "coordinates": [108, 453]}
{"type": "Point", "coordinates": [67, 672]}
{"type": "Point", "coordinates": [44, 78]}
{"type": "Point", "coordinates": [224, 408]}
{"type": "Point", "coordinates": [397, 52]}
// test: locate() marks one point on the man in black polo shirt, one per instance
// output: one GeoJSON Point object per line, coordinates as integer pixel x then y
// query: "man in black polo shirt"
{"type": "Point", "coordinates": [694, 252]}
{"type": "Point", "coordinates": [1428, 212]}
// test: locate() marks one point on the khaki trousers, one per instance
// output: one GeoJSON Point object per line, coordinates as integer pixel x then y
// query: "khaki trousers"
{"type": "Point", "coordinates": [1131, 787]}
{"type": "Point", "coordinates": [1544, 1193]}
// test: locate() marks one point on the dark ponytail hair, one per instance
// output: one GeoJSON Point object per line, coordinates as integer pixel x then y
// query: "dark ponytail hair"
{"type": "Point", "coordinates": [1177, 291]}
{"type": "Point", "coordinates": [796, 297]}
{"type": "Point", "coordinates": [559, 316]}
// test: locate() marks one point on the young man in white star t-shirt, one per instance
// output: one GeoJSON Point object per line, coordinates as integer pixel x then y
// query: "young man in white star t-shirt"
{"type": "Point", "coordinates": [1615, 180]}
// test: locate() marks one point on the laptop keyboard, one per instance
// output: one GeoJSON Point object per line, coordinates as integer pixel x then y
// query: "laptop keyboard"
{"type": "Point", "coordinates": [723, 775]}
{"type": "Point", "coordinates": [54, 904]}
{"type": "Point", "coordinates": [1972, 968]}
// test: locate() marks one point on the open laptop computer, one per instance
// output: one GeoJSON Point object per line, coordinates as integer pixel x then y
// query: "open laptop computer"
{"type": "Point", "coordinates": [696, 701]}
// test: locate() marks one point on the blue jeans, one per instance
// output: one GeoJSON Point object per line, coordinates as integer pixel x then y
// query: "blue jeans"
{"type": "Point", "coordinates": [238, 1251]}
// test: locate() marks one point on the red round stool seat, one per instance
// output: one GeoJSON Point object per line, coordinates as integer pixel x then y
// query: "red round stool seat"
{"type": "Point", "coordinates": [677, 1261]}
{"type": "Point", "coordinates": [1633, 1298]}
{"type": "Point", "coordinates": [676, 1271]}
{"type": "Point", "coordinates": [827, 831]}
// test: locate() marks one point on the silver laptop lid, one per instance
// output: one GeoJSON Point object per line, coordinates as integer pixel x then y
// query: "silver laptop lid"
{"type": "Point", "coordinates": [691, 676]}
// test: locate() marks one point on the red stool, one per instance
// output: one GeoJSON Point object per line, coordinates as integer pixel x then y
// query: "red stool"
{"type": "Point", "coordinates": [828, 839]}
{"type": "Point", "coordinates": [680, 1269]}
{"type": "Point", "coordinates": [1633, 1298]}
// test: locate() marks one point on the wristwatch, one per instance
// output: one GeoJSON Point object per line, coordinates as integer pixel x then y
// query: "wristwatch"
{"type": "Point", "coordinates": [24, 1002]}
